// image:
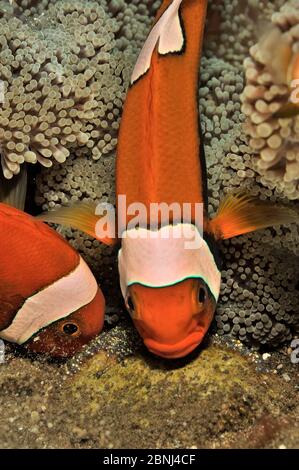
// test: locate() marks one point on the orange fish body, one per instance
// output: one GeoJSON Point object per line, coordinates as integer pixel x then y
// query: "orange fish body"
{"type": "Point", "coordinates": [49, 299]}
{"type": "Point", "coordinates": [169, 275]}
{"type": "Point", "coordinates": [158, 157]}
{"type": "Point", "coordinates": [160, 140]}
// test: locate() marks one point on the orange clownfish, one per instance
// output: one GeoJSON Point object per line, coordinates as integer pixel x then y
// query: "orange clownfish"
{"type": "Point", "coordinates": [49, 299]}
{"type": "Point", "coordinates": [170, 290]}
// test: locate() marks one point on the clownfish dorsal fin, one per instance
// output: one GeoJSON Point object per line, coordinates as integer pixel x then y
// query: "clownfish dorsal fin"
{"type": "Point", "coordinates": [85, 216]}
{"type": "Point", "coordinates": [13, 191]}
{"type": "Point", "coordinates": [241, 213]}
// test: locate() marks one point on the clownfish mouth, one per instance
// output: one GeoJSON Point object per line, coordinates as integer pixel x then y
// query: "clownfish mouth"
{"type": "Point", "coordinates": [177, 350]}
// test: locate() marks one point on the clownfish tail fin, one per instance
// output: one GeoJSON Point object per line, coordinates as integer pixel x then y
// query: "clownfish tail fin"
{"type": "Point", "coordinates": [241, 213]}
{"type": "Point", "coordinates": [83, 216]}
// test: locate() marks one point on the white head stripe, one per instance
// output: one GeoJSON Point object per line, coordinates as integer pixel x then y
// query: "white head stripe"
{"type": "Point", "coordinates": [56, 301]}
{"type": "Point", "coordinates": [168, 31]}
{"type": "Point", "coordinates": [164, 257]}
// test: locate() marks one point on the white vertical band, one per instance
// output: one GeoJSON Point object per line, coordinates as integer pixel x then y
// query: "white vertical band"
{"type": "Point", "coordinates": [168, 32]}
{"type": "Point", "coordinates": [165, 257]}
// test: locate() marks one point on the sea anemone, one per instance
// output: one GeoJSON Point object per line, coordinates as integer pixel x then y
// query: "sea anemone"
{"type": "Point", "coordinates": [272, 119]}
{"type": "Point", "coordinates": [64, 83]}
{"type": "Point", "coordinates": [259, 296]}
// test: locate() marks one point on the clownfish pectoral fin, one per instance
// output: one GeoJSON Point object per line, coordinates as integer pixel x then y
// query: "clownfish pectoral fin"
{"type": "Point", "coordinates": [98, 221]}
{"type": "Point", "coordinates": [241, 213]}
{"type": "Point", "coordinates": [13, 191]}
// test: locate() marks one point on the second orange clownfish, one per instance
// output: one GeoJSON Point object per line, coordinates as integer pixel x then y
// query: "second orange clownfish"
{"type": "Point", "coordinates": [170, 290]}
{"type": "Point", "coordinates": [50, 301]}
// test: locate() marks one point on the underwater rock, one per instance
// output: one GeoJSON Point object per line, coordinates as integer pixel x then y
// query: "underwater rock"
{"type": "Point", "coordinates": [218, 399]}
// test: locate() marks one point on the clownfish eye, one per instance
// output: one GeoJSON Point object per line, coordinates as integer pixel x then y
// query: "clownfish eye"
{"type": "Point", "coordinates": [201, 295]}
{"type": "Point", "coordinates": [130, 304]}
{"type": "Point", "coordinates": [70, 329]}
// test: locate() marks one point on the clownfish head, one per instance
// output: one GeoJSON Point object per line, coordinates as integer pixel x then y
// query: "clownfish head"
{"type": "Point", "coordinates": [170, 287]}
{"type": "Point", "coordinates": [172, 320]}
{"type": "Point", "coordinates": [67, 336]}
